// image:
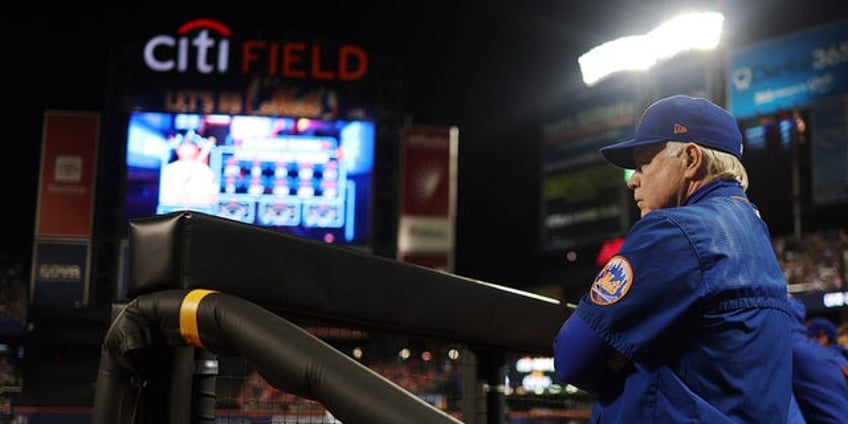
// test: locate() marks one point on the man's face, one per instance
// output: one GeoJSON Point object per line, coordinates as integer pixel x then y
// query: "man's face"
{"type": "Point", "coordinates": [187, 151]}
{"type": "Point", "coordinates": [658, 180]}
{"type": "Point", "coordinates": [821, 339]}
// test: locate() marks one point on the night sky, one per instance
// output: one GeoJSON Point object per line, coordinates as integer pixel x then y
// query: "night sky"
{"type": "Point", "coordinates": [489, 67]}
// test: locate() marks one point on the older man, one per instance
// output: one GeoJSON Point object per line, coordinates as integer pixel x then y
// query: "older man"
{"type": "Point", "coordinates": [690, 321]}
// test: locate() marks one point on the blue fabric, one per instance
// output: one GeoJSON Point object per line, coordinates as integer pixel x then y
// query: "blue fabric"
{"type": "Point", "coordinates": [584, 363]}
{"type": "Point", "coordinates": [818, 375]}
{"type": "Point", "coordinates": [696, 299]}
{"type": "Point", "coordinates": [795, 415]}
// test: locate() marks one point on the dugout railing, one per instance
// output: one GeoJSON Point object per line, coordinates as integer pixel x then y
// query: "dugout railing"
{"type": "Point", "coordinates": [205, 288]}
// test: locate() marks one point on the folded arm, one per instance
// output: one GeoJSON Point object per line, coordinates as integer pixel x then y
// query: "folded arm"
{"type": "Point", "coordinates": [583, 359]}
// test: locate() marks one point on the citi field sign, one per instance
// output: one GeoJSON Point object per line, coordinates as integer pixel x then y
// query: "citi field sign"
{"type": "Point", "coordinates": [207, 46]}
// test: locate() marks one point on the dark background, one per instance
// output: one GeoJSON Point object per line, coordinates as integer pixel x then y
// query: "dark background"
{"type": "Point", "coordinates": [492, 68]}
{"type": "Point", "coordinates": [489, 67]}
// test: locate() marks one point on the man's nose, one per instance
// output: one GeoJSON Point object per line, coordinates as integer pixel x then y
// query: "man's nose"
{"type": "Point", "coordinates": [632, 182]}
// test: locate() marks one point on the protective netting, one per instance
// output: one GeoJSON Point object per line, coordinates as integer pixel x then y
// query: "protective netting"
{"type": "Point", "coordinates": [434, 370]}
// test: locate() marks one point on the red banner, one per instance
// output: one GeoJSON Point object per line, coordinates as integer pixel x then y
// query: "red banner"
{"type": "Point", "coordinates": [68, 171]}
{"type": "Point", "coordinates": [428, 196]}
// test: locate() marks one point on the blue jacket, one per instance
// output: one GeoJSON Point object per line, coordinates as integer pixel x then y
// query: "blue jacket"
{"type": "Point", "coordinates": [696, 303]}
{"type": "Point", "coordinates": [818, 375]}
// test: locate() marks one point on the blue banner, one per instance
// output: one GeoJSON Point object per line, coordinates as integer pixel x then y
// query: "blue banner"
{"type": "Point", "coordinates": [788, 72]}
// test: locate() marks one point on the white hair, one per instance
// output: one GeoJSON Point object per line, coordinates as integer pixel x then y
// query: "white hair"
{"type": "Point", "coordinates": [720, 164]}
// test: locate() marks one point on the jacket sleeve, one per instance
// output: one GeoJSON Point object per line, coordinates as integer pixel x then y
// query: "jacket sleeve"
{"type": "Point", "coordinates": [582, 358]}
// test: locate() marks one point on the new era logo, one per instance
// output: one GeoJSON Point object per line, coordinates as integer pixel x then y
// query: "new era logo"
{"type": "Point", "coordinates": [679, 129]}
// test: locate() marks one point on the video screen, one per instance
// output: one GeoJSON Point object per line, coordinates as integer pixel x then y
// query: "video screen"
{"type": "Point", "coordinates": [306, 177]}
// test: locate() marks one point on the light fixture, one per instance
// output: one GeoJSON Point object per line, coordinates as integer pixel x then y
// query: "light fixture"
{"type": "Point", "coordinates": [692, 31]}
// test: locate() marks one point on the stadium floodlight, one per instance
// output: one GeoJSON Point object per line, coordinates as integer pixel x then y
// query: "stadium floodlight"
{"type": "Point", "coordinates": [692, 31]}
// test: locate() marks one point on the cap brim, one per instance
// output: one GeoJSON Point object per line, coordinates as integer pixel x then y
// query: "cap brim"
{"type": "Point", "coordinates": [621, 154]}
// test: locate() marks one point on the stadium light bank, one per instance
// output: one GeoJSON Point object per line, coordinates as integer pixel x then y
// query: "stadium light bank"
{"type": "Point", "coordinates": [691, 31]}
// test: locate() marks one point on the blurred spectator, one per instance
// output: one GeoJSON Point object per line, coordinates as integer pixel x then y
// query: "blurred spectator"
{"type": "Point", "coordinates": [258, 394]}
{"type": "Point", "coordinates": [823, 331]}
{"type": "Point", "coordinates": [842, 335]}
{"type": "Point", "coordinates": [819, 375]}
{"type": "Point", "coordinates": [815, 262]}
{"type": "Point", "coordinates": [13, 296]}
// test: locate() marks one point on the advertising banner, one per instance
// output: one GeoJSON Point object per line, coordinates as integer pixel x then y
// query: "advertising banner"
{"type": "Point", "coordinates": [428, 196]}
{"type": "Point", "coordinates": [582, 194]}
{"type": "Point", "coordinates": [788, 72]}
{"type": "Point", "coordinates": [68, 171]}
{"type": "Point", "coordinates": [60, 273]}
{"type": "Point", "coordinates": [572, 132]}
{"type": "Point", "coordinates": [829, 152]}
{"type": "Point", "coordinates": [582, 206]}
{"type": "Point", "coordinates": [818, 302]}
{"type": "Point", "coordinates": [208, 65]}
{"type": "Point", "coordinates": [285, 120]}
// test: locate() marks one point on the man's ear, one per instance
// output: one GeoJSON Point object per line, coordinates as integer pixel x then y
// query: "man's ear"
{"type": "Point", "coordinates": [693, 156]}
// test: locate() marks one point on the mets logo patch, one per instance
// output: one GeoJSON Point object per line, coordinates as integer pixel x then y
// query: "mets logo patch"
{"type": "Point", "coordinates": [613, 282]}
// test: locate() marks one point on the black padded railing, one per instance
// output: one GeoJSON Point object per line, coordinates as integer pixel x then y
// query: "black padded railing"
{"type": "Point", "coordinates": [279, 276]}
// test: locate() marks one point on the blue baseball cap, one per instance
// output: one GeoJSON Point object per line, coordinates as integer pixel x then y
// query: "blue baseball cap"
{"type": "Point", "coordinates": [818, 326]}
{"type": "Point", "coordinates": [680, 118]}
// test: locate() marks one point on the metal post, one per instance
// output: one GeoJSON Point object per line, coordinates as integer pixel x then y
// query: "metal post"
{"type": "Point", "coordinates": [493, 368]}
{"type": "Point", "coordinates": [203, 392]}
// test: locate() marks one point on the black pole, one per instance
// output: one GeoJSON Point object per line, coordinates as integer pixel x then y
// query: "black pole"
{"type": "Point", "coordinates": [492, 367]}
{"type": "Point", "coordinates": [203, 392]}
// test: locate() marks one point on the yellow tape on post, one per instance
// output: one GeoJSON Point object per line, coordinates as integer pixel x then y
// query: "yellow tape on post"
{"type": "Point", "coordinates": [188, 316]}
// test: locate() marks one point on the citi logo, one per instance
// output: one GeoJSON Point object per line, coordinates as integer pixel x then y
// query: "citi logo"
{"type": "Point", "coordinates": [679, 129]}
{"type": "Point", "coordinates": [203, 46]}
{"type": "Point", "coordinates": [203, 52]}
